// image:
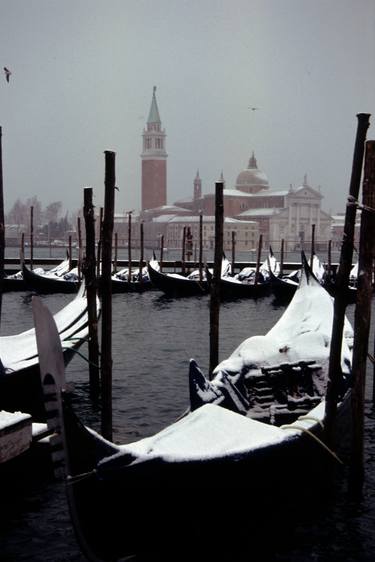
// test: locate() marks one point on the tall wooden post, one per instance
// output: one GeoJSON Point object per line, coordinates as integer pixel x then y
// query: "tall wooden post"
{"type": "Point", "coordinates": [282, 258]}
{"type": "Point", "coordinates": [89, 272]}
{"type": "Point", "coordinates": [106, 285]}
{"type": "Point", "coordinates": [141, 252]}
{"type": "Point", "coordinates": [233, 250]}
{"type": "Point", "coordinates": [115, 259]}
{"type": "Point", "coordinates": [260, 243]}
{"type": "Point", "coordinates": [312, 245]}
{"type": "Point", "coordinates": [161, 252]}
{"type": "Point", "coordinates": [70, 251]}
{"type": "Point", "coordinates": [183, 251]}
{"type": "Point", "coordinates": [200, 247]}
{"type": "Point", "coordinates": [342, 280]}
{"type": "Point", "coordinates": [31, 237]}
{"type": "Point", "coordinates": [362, 319]}
{"type": "Point", "coordinates": [2, 224]}
{"type": "Point", "coordinates": [329, 260]}
{"type": "Point", "coordinates": [129, 247]}
{"type": "Point", "coordinates": [215, 283]}
{"type": "Point", "coordinates": [79, 233]}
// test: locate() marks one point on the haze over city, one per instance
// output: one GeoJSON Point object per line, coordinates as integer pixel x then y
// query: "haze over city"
{"type": "Point", "coordinates": [82, 74]}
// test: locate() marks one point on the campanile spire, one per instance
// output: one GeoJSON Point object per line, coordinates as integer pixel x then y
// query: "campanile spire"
{"type": "Point", "coordinates": [154, 160]}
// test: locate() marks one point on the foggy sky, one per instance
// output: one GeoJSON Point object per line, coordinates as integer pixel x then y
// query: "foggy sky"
{"type": "Point", "coordinates": [83, 73]}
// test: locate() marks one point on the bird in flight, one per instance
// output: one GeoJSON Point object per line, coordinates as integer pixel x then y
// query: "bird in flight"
{"type": "Point", "coordinates": [7, 73]}
{"type": "Point", "coordinates": [254, 108]}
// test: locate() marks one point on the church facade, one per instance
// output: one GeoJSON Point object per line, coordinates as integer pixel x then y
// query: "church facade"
{"type": "Point", "coordinates": [251, 205]}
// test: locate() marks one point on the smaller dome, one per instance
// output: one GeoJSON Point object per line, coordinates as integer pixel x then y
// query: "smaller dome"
{"type": "Point", "coordinates": [251, 179]}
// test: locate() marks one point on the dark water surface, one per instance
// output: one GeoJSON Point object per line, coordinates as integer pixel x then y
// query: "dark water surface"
{"type": "Point", "coordinates": [153, 339]}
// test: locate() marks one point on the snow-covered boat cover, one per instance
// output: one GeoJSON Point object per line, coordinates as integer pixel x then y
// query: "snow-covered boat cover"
{"type": "Point", "coordinates": [19, 351]}
{"type": "Point", "coordinates": [303, 333]}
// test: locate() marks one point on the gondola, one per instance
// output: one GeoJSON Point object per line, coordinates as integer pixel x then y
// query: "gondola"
{"type": "Point", "coordinates": [121, 283]}
{"type": "Point", "coordinates": [284, 286]}
{"type": "Point", "coordinates": [19, 364]}
{"type": "Point", "coordinates": [13, 282]}
{"type": "Point", "coordinates": [54, 281]}
{"type": "Point", "coordinates": [216, 479]}
{"type": "Point", "coordinates": [174, 284]}
{"type": "Point", "coordinates": [242, 285]}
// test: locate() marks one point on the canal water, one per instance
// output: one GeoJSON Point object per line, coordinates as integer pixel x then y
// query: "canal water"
{"type": "Point", "coordinates": [154, 338]}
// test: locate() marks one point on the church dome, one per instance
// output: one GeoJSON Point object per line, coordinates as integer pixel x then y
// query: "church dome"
{"type": "Point", "coordinates": [252, 180]}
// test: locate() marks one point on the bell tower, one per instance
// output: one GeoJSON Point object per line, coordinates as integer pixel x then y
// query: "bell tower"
{"type": "Point", "coordinates": [154, 160]}
{"type": "Point", "coordinates": [197, 187]}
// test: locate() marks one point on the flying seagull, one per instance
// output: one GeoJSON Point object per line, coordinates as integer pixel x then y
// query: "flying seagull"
{"type": "Point", "coordinates": [254, 108]}
{"type": "Point", "coordinates": [7, 73]}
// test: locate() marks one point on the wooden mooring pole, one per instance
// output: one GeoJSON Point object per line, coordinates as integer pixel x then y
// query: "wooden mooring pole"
{"type": "Point", "coordinates": [200, 247]}
{"type": "Point", "coordinates": [31, 237]}
{"type": "Point", "coordinates": [342, 280]}
{"type": "Point", "coordinates": [282, 257]}
{"type": "Point", "coordinates": [89, 272]}
{"type": "Point", "coordinates": [106, 287]}
{"type": "Point", "coordinates": [260, 243]}
{"type": "Point", "coordinates": [129, 247]}
{"type": "Point", "coordinates": [70, 251]}
{"type": "Point", "coordinates": [141, 252]}
{"type": "Point", "coordinates": [115, 258]}
{"type": "Point", "coordinates": [312, 250]}
{"type": "Point", "coordinates": [183, 251]}
{"type": "Point", "coordinates": [79, 234]}
{"type": "Point", "coordinates": [215, 282]}
{"type": "Point", "coordinates": [233, 250]}
{"type": "Point", "coordinates": [362, 319]}
{"type": "Point", "coordinates": [161, 252]}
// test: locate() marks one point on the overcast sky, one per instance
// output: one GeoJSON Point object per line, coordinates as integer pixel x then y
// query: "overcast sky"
{"type": "Point", "coordinates": [83, 73]}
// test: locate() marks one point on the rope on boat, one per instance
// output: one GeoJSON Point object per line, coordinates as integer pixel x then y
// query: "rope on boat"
{"type": "Point", "coordinates": [311, 418]}
{"type": "Point", "coordinates": [319, 441]}
{"type": "Point", "coordinates": [81, 355]}
{"type": "Point", "coordinates": [371, 357]}
{"type": "Point", "coordinates": [70, 480]}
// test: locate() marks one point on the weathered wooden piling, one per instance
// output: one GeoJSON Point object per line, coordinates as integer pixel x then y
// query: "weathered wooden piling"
{"type": "Point", "coordinates": [70, 251]}
{"type": "Point", "coordinates": [215, 283]}
{"type": "Point", "coordinates": [329, 259]}
{"type": "Point", "coordinates": [233, 250]}
{"type": "Point", "coordinates": [312, 250]}
{"type": "Point", "coordinates": [342, 279]}
{"type": "Point", "coordinates": [282, 257]}
{"type": "Point", "coordinates": [2, 223]}
{"type": "Point", "coordinates": [362, 319]}
{"type": "Point", "coordinates": [161, 252]}
{"type": "Point", "coordinates": [79, 235]}
{"type": "Point", "coordinates": [115, 258]}
{"type": "Point", "coordinates": [106, 287]}
{"type": "Point", "coordinates": [129, 246]}
{"type": "Point", "coordinates": [89, 272]}
{"type": "Point", "coordinates": [141, 252]}
{"type": "Point", "coordinates": [31, 237]}
{"type": "Point", "coordinates": [260, 243]}
{"type": "Point", "coordinates": [200, 247]}
{"type": "Point", "coordinates": [183, 251]}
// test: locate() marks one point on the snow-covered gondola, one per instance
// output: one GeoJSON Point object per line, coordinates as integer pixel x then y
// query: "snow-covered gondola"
{"type": "Point", "coordinates": [58, 280]}
{"type": "Point", "coordinates": [19, 365]}
{"type": "Point", "coordinates": [284, 286]}
{"type": "Point", "coordinates": [13, 282]}
{"type": "Point", "coordinates": [215, 478]}
{"type": "Point", "coordinates": [137, 284]}
{"type": "Point", "coordinates": [243, 285]}
{"type": "Point", "coordinates": [174, 284]}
